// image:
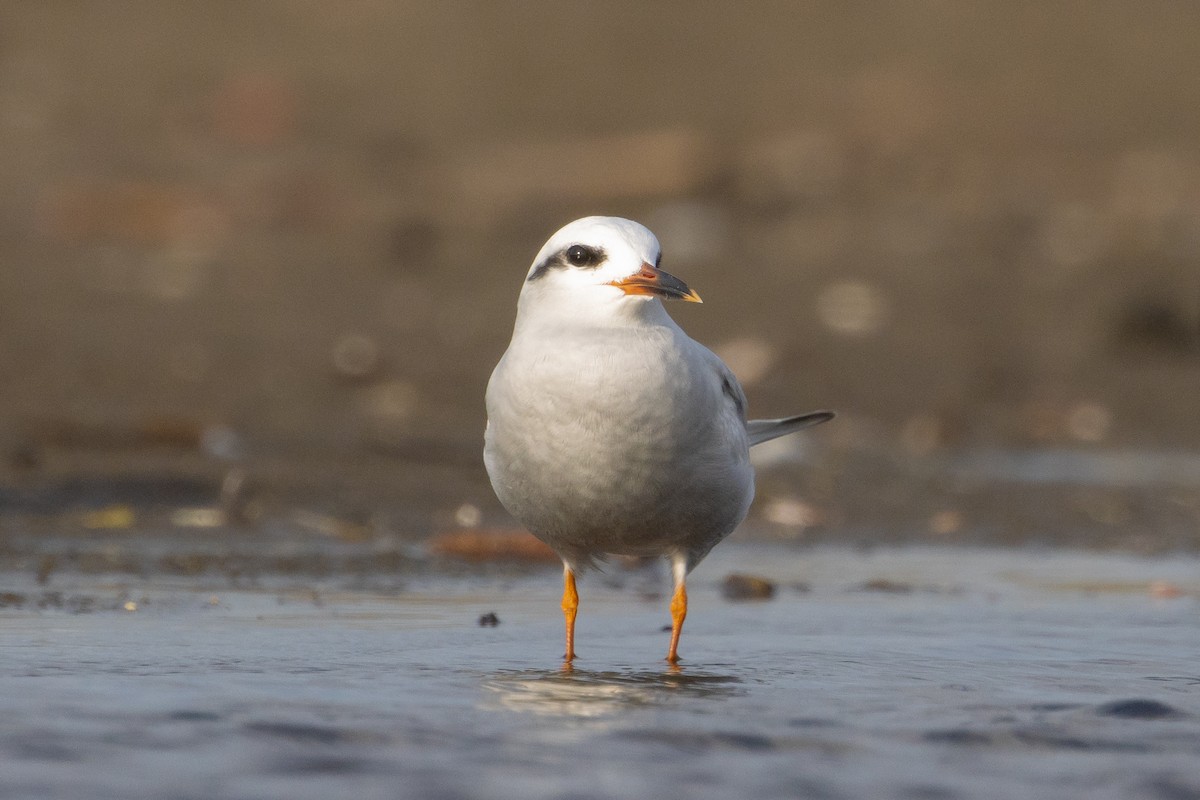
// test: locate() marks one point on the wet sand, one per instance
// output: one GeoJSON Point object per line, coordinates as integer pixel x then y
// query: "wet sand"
{"type": "Point", "coordinates": [911, 672]}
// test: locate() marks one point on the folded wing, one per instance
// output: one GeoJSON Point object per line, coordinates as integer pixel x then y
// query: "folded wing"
{"type": "Point", "coordinates": [764, 430]}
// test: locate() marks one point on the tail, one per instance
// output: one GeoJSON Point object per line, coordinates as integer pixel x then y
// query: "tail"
{"type": "Point", "coordinates": [764, 430]}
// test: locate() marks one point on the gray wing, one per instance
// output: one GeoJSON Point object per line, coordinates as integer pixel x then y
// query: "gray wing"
{"type": "Point", "coordinates": [731, 388]}
{"type": "Point", "coordinates": [764, 430]}
{"type": "Point", "coordinates": [760, 430]}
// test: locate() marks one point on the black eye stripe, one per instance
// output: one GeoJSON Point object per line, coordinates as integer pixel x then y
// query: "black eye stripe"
{"type": "Point", "coordinates": [576, 256]}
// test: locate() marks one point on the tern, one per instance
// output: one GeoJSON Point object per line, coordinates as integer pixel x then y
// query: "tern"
{"type": "Point", "coordinates": [610, 431]}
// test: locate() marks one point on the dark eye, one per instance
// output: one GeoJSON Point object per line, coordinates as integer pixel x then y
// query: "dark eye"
{"type": "Point", "coordinates": [579, 255]}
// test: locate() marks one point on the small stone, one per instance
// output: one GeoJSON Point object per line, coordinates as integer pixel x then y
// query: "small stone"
{"type": "Point", "coordinates": [1137, 709]}
{"type": "Point", "coordinates": [738, 587]}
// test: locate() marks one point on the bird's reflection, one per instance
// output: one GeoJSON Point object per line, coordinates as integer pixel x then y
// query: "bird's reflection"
{"type": "Point", "coordinates": [572, 691]}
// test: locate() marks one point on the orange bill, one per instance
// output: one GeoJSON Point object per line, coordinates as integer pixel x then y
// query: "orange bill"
{"type": "Point", "coordinates": [651, 280]}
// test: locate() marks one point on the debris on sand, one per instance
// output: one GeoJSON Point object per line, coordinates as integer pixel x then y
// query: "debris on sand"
{"type": "Point", "coordinates": [738, 587]}
{"type": "Point", "coordinates": [491, 544]}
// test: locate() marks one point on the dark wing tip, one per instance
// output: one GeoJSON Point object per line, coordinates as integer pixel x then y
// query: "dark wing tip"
{"type": "Point", "coordinates": [813, 418]}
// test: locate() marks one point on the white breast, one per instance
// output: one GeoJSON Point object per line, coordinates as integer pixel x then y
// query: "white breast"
{"type": "Point", "coordinates": [620, 443]}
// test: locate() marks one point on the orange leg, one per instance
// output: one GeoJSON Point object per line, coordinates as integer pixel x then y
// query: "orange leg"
{"type": "Point", "coordinates": [678, 615]}
{"type": "Point", "coordinates": [570, 604]}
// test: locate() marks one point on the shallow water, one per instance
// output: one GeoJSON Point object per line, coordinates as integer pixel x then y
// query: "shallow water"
{"type": "Point", "coordinates": [893, 673]}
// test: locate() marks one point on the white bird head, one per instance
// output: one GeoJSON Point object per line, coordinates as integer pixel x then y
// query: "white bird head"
{"type": "Point", "coordinates": [601, 263]}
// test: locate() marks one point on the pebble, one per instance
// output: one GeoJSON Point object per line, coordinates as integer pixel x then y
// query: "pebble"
{"type": "Point", "coordinates": [738, 587]}
{"type": "Point", "coordinates": [1137, 708]}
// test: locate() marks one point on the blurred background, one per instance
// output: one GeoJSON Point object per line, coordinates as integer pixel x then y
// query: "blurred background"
{"type": "Point", "coordinates": [258, 259]}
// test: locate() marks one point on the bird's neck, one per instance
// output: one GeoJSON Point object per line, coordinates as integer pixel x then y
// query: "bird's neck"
{"type": "Point", "coordinates": [566, 312]}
